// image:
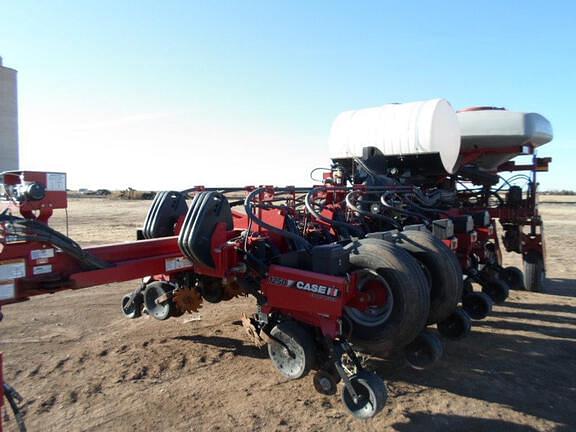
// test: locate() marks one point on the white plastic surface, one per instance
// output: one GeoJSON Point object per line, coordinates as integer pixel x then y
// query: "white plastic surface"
{"type": "Point", "coordinates": [499, 129]}
{"type": "Point", "coordinates": [425, 127]}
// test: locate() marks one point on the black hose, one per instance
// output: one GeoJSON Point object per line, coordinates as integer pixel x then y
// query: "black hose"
{"type": "Point", "coordinates": [249, 208]}
{"type": "Point", "coordinates": [378, 216]}
{"type": "Point", "coordinates": [13, 398]}
{"type": "Point", "coordinates": [313, 212]}
{"type": "Point", "coordinates": [31, 230]}
{"type": "Point", "coordinates": [402, 211]}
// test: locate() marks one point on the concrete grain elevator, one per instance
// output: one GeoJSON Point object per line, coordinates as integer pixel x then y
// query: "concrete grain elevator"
{"type": "Point", "coordinates": [8, 119]}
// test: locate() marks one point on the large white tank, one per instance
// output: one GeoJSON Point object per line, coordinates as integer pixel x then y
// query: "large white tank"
{"type": "Point", "coordinates": [410, 129]}
{"type": "Point", "coordinates": [8, 119]}
{"type": "Point", "coordinates": [500, 130]}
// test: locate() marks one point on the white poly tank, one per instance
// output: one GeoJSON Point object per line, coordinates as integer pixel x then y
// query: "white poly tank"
{"type": "Point", "coordinates": [8, 119]}
{"type": "Point", "coordinates": [416, 128]}
{"type": "Point", "coordinates": [497, 129]}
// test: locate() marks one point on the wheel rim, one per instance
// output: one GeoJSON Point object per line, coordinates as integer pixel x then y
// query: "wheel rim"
{"type": "Point", "coordinates": [157, 310]}
{"type": "Point", "coordinates": [365, 406]}
{"type": "Point", "coordinates": [289, 359]}
{"type": "Point", "coordinates": [130, 312]}
{"type": "Point", "coordinates": [375, 302]}
{"type": "Point", "coordinates": [325, 383]}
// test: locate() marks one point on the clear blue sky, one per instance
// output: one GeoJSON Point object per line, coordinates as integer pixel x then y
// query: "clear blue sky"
{"type": "Point", "coordinates": [160, 94]}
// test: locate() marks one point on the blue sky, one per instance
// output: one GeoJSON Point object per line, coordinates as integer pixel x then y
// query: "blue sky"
{"type": "Point", "coordinates": [169, 94]}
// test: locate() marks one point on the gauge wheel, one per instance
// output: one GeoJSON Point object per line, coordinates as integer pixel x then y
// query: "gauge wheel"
{"type": "Point", "coordinates": [291, 349]}
{"type": "Point", "coordinates": [456, 326]}
{"type": "Point", "coordinates": [371, 395]}
{"type": "Point", "coordinates": [477, 305]}
{"type": "Point", "coordinates": [154, 291]}
{"type": "Point", "coordinates": [534, 273]}
{"type": "Point", "coordinates": [424, 351]}
{"type": "Point", "coordinates": [135, 309]}
{"type": "Point", "coordinates": [496, 289]}
{"type": "Point", "coordinates": [513, 276]}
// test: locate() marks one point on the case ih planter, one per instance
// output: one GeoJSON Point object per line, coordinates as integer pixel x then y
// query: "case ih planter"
{"type": "Point", "coordinates": [386, 246]}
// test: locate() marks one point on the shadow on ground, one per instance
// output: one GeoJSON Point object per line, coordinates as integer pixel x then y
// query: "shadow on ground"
{"type": "Point", "coordinates": [535, 375]}
{"type": "Point", "coordinates": [226, 344]}
{"type": "Point", "coordinates": [419, 421]}
{"type": "Point", "coordinates": [560, 287]}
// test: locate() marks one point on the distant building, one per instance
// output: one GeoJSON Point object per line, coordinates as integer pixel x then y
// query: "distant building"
{"type": "Point", "coordinates": [8, 119]}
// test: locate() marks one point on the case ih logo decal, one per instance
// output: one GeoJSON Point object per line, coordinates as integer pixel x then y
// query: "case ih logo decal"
{"type": "Point", "coordinates": [306, 286]}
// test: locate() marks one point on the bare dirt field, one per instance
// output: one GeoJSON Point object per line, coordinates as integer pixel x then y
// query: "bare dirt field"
{"type": "Point", "coordinates": [82, 367]}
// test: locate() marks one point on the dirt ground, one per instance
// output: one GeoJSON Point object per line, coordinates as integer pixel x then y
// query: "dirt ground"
{"type": "Point", "coordinates": [82, 367]}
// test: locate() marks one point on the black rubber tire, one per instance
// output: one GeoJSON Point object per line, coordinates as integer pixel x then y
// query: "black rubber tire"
{"type": "Point", "coordinates": [135, 310]}
{"type": "Point", "coordinates": [424, 351]}
{"type": "Point", "coordinates": [410, 291]}
{"type": "Point", "coordinates": [443, 268]}
{"type": "Point", "coordinates": [457, 326]}
{"type": "Point", "coordinates": [496, 289]}
{"type": "Point", "coordinates": [299, 341]}
{"type": "Point", "coordinates": [534, 273]}
{"type": "Point", "coordinates": [477, 305]}
{"type": "Point", "coordinates": [513, 276]}
{"type": "Point", "coordinates": [373, 394]}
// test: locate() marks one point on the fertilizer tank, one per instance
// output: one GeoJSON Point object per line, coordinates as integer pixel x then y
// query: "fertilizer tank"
{"type": "Point", "coordinates": [498, 135]}
{"type": "Point", "coordinates": [423, 136]}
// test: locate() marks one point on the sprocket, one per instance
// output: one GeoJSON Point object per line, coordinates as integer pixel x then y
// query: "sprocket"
{"type": "Point", "coordinates": [187, 299]}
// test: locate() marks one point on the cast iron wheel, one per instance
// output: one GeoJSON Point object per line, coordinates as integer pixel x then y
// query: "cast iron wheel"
{"type": "Point", "coordinates": [424, 351]}
{"type": "Point", "coordinates": [443, 268]}
{"type": "Point", "coordinates": [410, 295]}
{"type": "Point", "coordinates": [325, 383]}
{"type": "Point", "coordinates": [534, 273]}
{"type": "Point", "coordinates": [477, 305]}
{"type": "Point", "coordinates": [295, 355]}
{"type": "Point", "coordinates": [371, 392]}
{"type": "Point", "coordinates": [154, 291]}
{"type": "Point", "coordinates": [456, 326]}
{"type": "Point", "coordinates": [135, 309]}
{"type": "Point", "coordinates": [496, 289]}
{"type": "Point", "coordinates": [513, 276]}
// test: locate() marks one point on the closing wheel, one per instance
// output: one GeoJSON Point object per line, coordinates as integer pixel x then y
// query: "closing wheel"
{"type": "Point", "coordinates": [477, 305]}
{"type": "Point", "coordinates": [135, 309]}
{"type": "Point", "coordinates": [157, 302]}
{"type": "Point", "coordinates": [513, 276]}
{"type": "Point", "coordinates": [291, 349]}
{"type": "Point", "coordinates": [371, 395]}
{"type": "Point", "coordinates": [391, 309]}
{"type": "Point", "coordinates": [496, 289]}
{"type": "Point", "coordinates": [424, 351]}
{"type": "Point", "coordinates": [325, 382]}
{"type": "Point", "coordinates": [456, 326]}
{"type": "Point", "coordinates": [534, 273]}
